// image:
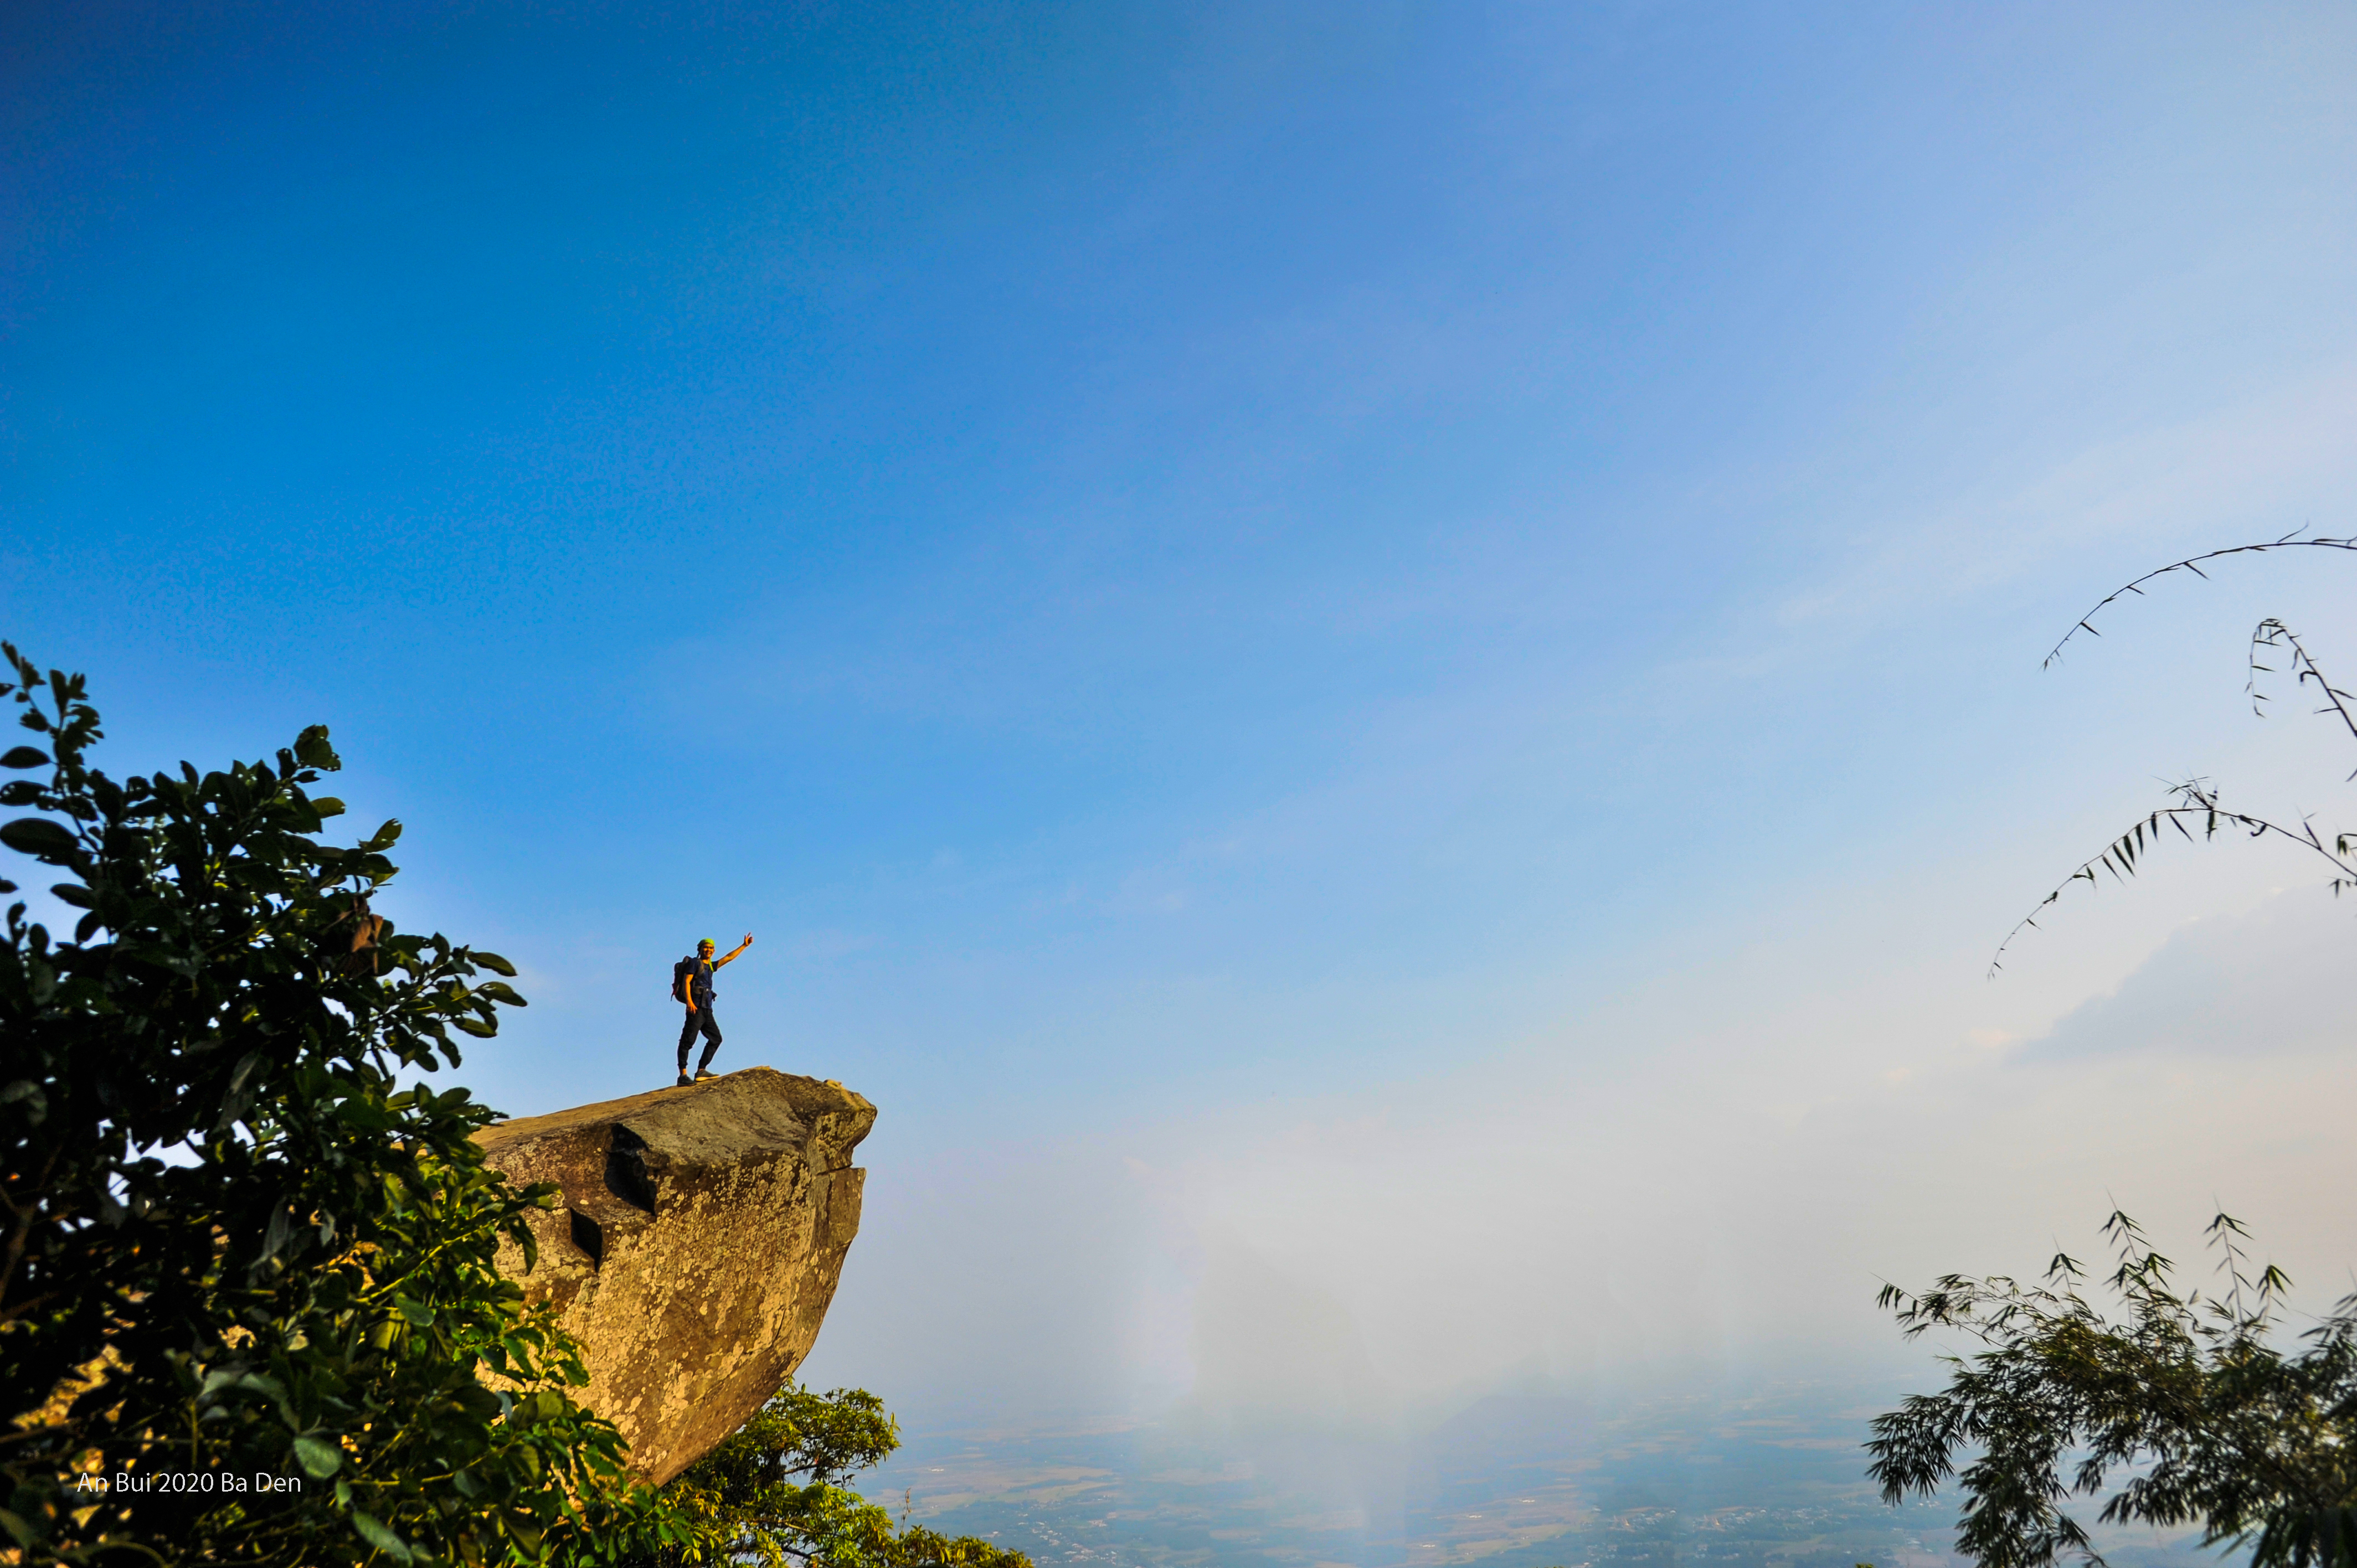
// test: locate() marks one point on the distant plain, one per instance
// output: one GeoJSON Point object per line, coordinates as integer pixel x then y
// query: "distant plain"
{"type": "Point", "coordinates": [1772, 1477]}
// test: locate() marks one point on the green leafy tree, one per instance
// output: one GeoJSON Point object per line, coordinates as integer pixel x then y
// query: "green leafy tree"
{"type": "Point", "coordinates": [773, 1493]}
{"type": "Point", "coordinates": [248, 1312]}
{"type": "Point", "coordinates": [2190, 1405]}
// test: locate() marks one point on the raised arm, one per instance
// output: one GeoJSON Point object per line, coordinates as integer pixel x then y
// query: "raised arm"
{"type": "Point", "coordinates": [732, 957]}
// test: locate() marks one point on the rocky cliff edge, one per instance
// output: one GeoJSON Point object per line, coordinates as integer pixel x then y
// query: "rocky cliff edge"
{"type": "Point", "coordinates": [702, 1232]}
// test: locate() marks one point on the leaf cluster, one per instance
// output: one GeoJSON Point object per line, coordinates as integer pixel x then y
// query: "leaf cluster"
{"type": "Point", "coordinates": [237, 1250]}
{"type": "Point", "coordinates": [2191, 1399]}
{"type": "Point", "coordinates": [773, 1493]}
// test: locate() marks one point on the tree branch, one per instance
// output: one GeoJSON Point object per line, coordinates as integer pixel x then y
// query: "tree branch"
{"type": "Point", "coordinates": [2193, 564]}
{"type": "Point", "coordinates": [2200, 800]}
{"type": "Point", "coordinates": [2272, 633]}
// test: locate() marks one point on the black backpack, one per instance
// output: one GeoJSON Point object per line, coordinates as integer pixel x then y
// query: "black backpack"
{"type": "Point", "coordinates": [680, 973]}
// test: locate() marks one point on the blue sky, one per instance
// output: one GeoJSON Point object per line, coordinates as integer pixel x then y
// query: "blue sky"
{"type": "Point", "coordinates": [1240, 594]}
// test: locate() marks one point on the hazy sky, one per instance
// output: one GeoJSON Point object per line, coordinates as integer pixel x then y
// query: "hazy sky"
{"type": "Point", "coordinates": [1375, 666]}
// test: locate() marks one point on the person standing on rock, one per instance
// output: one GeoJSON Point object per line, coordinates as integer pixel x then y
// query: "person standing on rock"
{"type": "Point", "coordinates": [691, 982]}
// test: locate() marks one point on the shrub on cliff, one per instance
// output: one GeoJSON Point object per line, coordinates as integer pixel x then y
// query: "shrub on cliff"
{"type": "Point", "coordinates": [247, 1296]}
{"type": "Point", "coordinates": [773, 1493]}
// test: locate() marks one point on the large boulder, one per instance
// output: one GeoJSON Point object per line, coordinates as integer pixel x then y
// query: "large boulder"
{"type": "Point", "coordinates": [702, 1232]}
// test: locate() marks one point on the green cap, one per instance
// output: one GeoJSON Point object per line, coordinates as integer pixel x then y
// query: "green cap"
{"type": "Point", "coordinates": [707, 943]}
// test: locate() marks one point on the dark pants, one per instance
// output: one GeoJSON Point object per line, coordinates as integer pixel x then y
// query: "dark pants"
{"type": "Point", "coordinates": [699, 1019]}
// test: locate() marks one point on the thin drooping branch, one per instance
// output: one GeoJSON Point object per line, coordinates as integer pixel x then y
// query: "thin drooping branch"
{"type": "Point", "coordinates": [2193, 564]}
{"type": "Point", "coordinates": [2198, 800]}
{"type": "Point", "coordinates": [2273, 633]}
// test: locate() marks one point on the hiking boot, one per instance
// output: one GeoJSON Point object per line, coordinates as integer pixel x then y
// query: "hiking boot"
{"type": "Point", "coordinates": [684, 1082]}
{"type": "Point", "coordinates": [702, 1073]}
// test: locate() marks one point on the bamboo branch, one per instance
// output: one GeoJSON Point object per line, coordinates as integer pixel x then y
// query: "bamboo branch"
{"type": "Point", "coordinates": [2121, 857]}
{"type": "Point", "coordinates": [2193, 564]}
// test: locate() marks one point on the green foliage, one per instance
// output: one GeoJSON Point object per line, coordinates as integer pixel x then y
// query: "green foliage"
{"type": "Point", "coordinates": [2208, 1419]}
{"type": "Point", "coordinates": [771, 1493]}
{"type": "Point", "coordinates": [244, 1268]}
{"type": "Point", "coordinates": [825, 1437]}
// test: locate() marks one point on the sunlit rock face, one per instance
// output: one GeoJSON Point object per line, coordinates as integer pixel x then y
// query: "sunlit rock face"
{"type": "Point", "coordinates": [703, 1233]}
